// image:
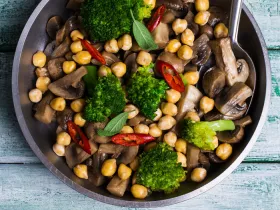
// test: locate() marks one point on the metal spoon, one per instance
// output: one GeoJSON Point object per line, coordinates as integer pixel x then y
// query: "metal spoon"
{"type": "Point", "coordinates": [236, 9]}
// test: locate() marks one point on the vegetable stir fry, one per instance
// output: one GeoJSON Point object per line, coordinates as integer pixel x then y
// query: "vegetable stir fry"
{"type": "Point", "coordinates": [122, 81]}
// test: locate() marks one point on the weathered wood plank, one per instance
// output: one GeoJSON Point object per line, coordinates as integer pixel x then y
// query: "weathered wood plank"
{"type": "Point", "coordinates": [14, 149]}
{"type": "Point", "coordinates": [14, 14]}
{"type": "Point", "coordinates": [251, 186]}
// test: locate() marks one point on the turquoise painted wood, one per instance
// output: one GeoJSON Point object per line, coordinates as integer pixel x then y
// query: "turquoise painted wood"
{"type": "Point", "coordinates": [254, 184]}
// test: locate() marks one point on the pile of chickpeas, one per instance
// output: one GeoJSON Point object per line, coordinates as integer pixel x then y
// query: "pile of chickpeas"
{"type": "Point", "coordinates": [165, 115]}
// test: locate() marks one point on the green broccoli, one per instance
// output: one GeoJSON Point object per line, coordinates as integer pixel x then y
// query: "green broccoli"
{"type": "Point", "coordinates": [159, 169]}
{"type": "Point", "coordinates": [108, 98]}
{"type": "Point", "coordinates": [202, 134]}
{"type": "Point", "coordinates": [146, 92]}
{"type": "Point", "coordinates": [108, 19]}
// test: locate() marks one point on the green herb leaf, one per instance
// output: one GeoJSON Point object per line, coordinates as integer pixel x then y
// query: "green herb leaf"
{"type": "Point", "coordinates": [114, 126]}
{"type": "Point", "coordinates": [90, 79]}
{"type": "Point", "coordinates": [183, 79]}
{"type": "Point", "coordinates": [142, 35]}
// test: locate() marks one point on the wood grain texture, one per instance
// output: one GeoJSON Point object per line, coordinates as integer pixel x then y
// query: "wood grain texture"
{"type": "Point", "coordinates": [251, 186]}
{"type": "Point", "coordinates": [14, 14]}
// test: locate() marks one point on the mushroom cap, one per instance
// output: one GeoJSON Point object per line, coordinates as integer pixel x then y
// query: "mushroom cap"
{"type": "Point", "coordinates": [214, 80]}
{"type": "Point", "coordinates": [172, 59]}
{"type": "Point", "coordinates": [231, 137]}
{"type": "Point", "coordinates": [161, 35]}
{"type": "Point", "coordinates": [55, 68]}
{"type": "Point", "coordinates": [44, 112]}
{"type": "Point", "coordinates": [53, 25]}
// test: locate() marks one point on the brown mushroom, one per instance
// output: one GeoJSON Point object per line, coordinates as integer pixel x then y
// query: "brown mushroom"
{"type": "Point", "coordinates": [131, 64]}
{"type": "Point", "coordinates": [176, 5]}
{"type": "Point", "coordinates": [214, 158]}
{"type": "Point", "coordinates": [110, 58]}
{"type": "Point", "coordinates": [172, 59]}
{"type": "Point", "coordinates": [55, 68]}
{"type": "Point", "coordinates": [63, 117]}
{"type": "Point", "coordinates": [206, 29]}
{"type": "Point", "coordinates": [243, 70]}
{"type": "Point", "coordinates": [229, 98]}
{"type": "Point", "coordinates": [118, 186]}
{"type": "Point", "coordinates": [53, 25]}
{"type": "Point", "coordinates": [214, 80]}
{"type": "Point", "coordinates": [74, 4]}
{"type": "Point", "coordinates": [91, 132]}
{"type": "Point", "coordinates": [244, 121]}
{"type": "Point", "coordinates": [136, 120]}
{"type": "Point", "coordinates": [234, 114]}
{"type": "Point", "coordinates": [44, 112]}
{"type": "Point", "coordinates": [217, 15]}
{"type": "Point", "coordinates": [204, 161]}
{"type": "Point", "coordinates": [71, 86]}
{"type": "Point", "coordinates": [201, 50]}
{"type": "Point", "coordinates": [161, 35]}
{"type": "Point", "coordinates": [231, 137]}
{"type": "Point", "coordinates": [192, 157]}
{"type": "Point", "coordinates": [191, 24]}
{"type": "Point", "coordinates": [168, 17]}
{"type": "Point", "coordinates": [49, 49]}
{"type": "Point", "coordinates": [128, 155]}
{"type": "Point", "coordinates": [69, 56]}
{"type": "Point", "coordinates": [111, 149]}
{"type": "Point", "coordinates": [62, 49]}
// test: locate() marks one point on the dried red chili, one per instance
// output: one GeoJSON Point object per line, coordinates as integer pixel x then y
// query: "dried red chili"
{"type": "Point", "coordinates": [94, 52]}
{"type": "Point", "coordinates": [170, 75]}
{"type": "Point", "coordinates": [78, 136]}
{"type": "Point", "coordinates": [132, 139]}
{"type": "Point", "coordinates": [155, 20]}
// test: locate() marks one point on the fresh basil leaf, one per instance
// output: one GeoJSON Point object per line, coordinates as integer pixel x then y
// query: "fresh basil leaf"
{"type": "Point", "coordinates": [90, 79]}
{"type": "Point", "coordinates": [142, 35]}
{"type": "Point", "coordinates": [114, 126]}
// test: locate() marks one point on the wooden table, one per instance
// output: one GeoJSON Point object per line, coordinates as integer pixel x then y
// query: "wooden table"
{"type": "Point", "coordinates": [26, 184]}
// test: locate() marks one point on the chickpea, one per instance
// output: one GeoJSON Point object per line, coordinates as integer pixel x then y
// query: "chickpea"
{"type": "Point", "coordinates": [150, 146]}
{"type": "Point", "coordinates": [179, 25]}
{"type": "Point", "coordinates": [198, 174]}
{"type": "Point", "coordinates": [42, 72]}
{"type": "Point", "coordinates": [111, 46]}
{"type": "Point", "coordinates": [201, 5]}
{"type": "Point", "coordinates": [124, 172]}
{"type": "Point", "coordinates": [79, 120]}
{"type": "Point", "coordinates": [192, 116]}
{"type": "Point", "coordinates": [172, 96]}
{"type": "Point", "coordinates": [169, 109]}
{"type": "Point", "coordinates": [127, 129]}
{"type": "Point", "coordinates": [134, 165]}
{"type": "Point", "coordinates": [173, 46]}
{"type": "Point", "coordinates": [187, 37]}
{"type": "Point", "coordinates": [59, 150]}
{"type": "Point", "coordinates": [166, 122]}
{"type": "Point", "coordinates": [104, 71]}
{"type": "Point", "coordinates": [191, 77]}
{"type": "Point", "coordinates": [132, 110]}
{"type": "Point", "coordinates": [76, 35]}
{"type": "Point", "coordinates": [78, 105]}
{"type": "Point", "coordinates": [35, 95]}
{"type": "Point", "coordinates": [141, 128]}
{"type": "Point", "coordinates": [220, 31]}
{"type": "Point", "coordinates": [224, 151]}
{"type": "Point", "coordinates": [206, 104]}
{"type": "Point", "coordinates": [151, 3]}
{"type": "Point", "coordinates": [158, 115]}
{"type": "Point", "coordinates": [109, 167]}
{"type": "Point", "coordinates": [42, 83]}
{"type": "Point", "coordinates": [76, 47]}
{"type": "Point", "coordinates": [170, 138]}
{"type": "Point", "coordinates": [63, 138]}
{"type": "Point", "coordinates": [119, 69]}
{"type": "Point", "coordinates": [139, 191]}
{"type": "Point", "coordinates": [69, 66]}
{"type": "Point", "coordinates": [39, 59]}
{"type": "Point", "coordinates": [181, 158]}
{"type": "Point", "coordinates": [81, 171]}
{"type": "Point", "coordinates": [181, 146]}
{"type": "Point", "coordinates": [144, 58]}
{"type": "Point", "coordinates": [155, 131]}
{"type": "Point", "coordinates": [185, 52]}
{"type": "Point", "coordinates": [58, 104]}
{"type": "Point", "coordinates": [202, 18]}
{"type": "Point", "coordinates": [82, 58]}
{"type": "Point", "coordinates": [125, 42]}
{"type": "Point", "coordinates": [215, 142]}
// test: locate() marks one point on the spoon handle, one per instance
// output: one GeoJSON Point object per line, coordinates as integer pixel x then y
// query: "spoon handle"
{"type": "Point", "coordinates": [236, 8]}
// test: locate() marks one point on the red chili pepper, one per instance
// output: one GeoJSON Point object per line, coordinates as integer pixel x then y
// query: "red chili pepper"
{"type": "Point", "coordinates": [94, 52]}
{"type": "Point", "coordinates": [78, 136]}
{"type": "Point", "coordinates": [132, 139]}
{"type": "Point", "coordinates": [170, 75]}
{"type": "Point", "coordinates": [155, 20]}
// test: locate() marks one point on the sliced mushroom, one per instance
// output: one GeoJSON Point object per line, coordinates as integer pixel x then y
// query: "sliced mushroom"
{"type": "Point", "coordinates": [110, 58]}
{"type": "Point", "coordinates": [171, 4]}
{"type": "Point", "coordinates": [111, 149]}
{"type": "Point", "coordinates": [168, 17]}
{"type": "Point", "coordinates": [214, 80]}
{"type": "Point", "coordinates": [55, 68]}
{"type": "Point", "coordinates": [217, 15]}
{"type": "Point", "coordinates": [44, 112]}
{"type": "Point", "coordinates": [71, 86]}
{"type": "Point", "coordinates": [60, 36]}
{"type": "Point", "coordinates": [234, 114]}
{"type": "Point", "coordinates": [63, 117]}
{"type": "Point", "coordinates": [128, 155]}
{"type": "Point", "coordinates": [53, 25]}
{"type": "Point", "coordinates": [172, 59]}
{"type": "Point", "coordinates": [74, 4]}
{"type": "Point", "coordinates": [117, 186]}
{"type": "Point", "coordinates": [231, 137]}
{"type": "Point", "coordinates": [69, 56]}
{"type": "Point", "coordinates": [62, 49]}
{"type": "Point", "coordinates": [135, 47]}
{"type": "Point", "coordinates": [131, 64]}
{"type": "Point", "coordinates": [243, 71]}
{"type": "Point", "coordinates": [94, 169]}
{"type": "Point", "coordinates": [136, 120]}
{"type": "Point", "coordinates": [191, 24]}
{"type": "Point", "coordinates": [214, 158]}
{"type": "Point", "coordinates": [229, 98]}
{"type": "Point", "coordinates": [201, 50]}
{"type": "Point", "coordinates": [192, 157]}
{"type": "Point", "coordinates": [208, 30]}
{"type": "Point", "coordinates": [91, 132]}
{"type": "Point", "coordinates": [75, 155]}
{"type": "Point", "coordinates": [244, 121]}
{"type": "Point", "coordinates": [204, 161]}
{"type": "Point", "coordinates": [49, 49]}
{"type": "Point", "coordinates": [161, 35]}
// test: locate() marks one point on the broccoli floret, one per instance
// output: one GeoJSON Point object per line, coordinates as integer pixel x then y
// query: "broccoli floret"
{"type": "Point", "coordinates": [108, 98]}
{"type": "Point", "coordinates": [159, 169]}
{"type": "Point", "coordinates": [108, 19]}
{"type": "Point", "coordinates": [146, 92]}
{"type": "Point", "coordinates": [201, 134]}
